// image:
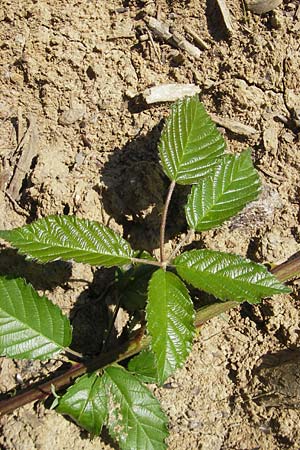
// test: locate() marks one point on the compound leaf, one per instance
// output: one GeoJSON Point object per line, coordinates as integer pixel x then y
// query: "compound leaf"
{"type": "Point", "coordinates": [86, 402]}
{"type": "Point", "coordinates": [190, 143]}
{"type": "Point", "coordinates": [31, 327]}
{"type": "Point", "coordinates": [68, 237]}
{"type": "Point", "coordinates": [170, 322]}
{"type": "Point", "coordinates": [135, 418]}
{"type": "Point", "coordinates": [227, 276]}
{"type": "Point", "coordinates": [232, 184]}
{"type": "Point", "coordinates": [143, 366]}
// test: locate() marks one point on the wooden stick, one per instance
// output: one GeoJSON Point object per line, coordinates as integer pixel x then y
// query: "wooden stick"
{"type": "Point", "coordinates": [226, 15]}
{"type": "Point", "coordinates": [162, 30]}
{"type": "Point", "coordinates": [199, 41]}
{"type": "Point", "coordinates": [27, 144]}
{"type": "Point", "coordinates": [234, 125]}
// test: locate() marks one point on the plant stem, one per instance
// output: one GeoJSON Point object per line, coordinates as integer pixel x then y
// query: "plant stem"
{"type": "Point", "coordinates": [289, 269]}
{"type": "Point", "coordinates": [151, 262]}
{"type": "Point", "coordinates": [283, 272]}
{"type": "Point", "coordinates": [186, 239]}
{"type": "Point", "coordinates": [43, 390]}
{"type": "Point", "coordinates": [111, 325]}
{"type": "Point", "coordinates": [164, 221]}
{"type": "Point", "coordinates": [73, 352]}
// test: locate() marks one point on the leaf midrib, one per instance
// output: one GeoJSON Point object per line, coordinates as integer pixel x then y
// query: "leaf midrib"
{"type": "Point", "coordinates": [124, 397]}
{"type": "Point", "coordinates": [183, 152]}
{"type": "Point", "coordinates": [39, 333]}
{"type": "Point", "coordinates": [88, 399]}
{"type": "Point", "coordinates": [45, 246]}
{"type": "Point", "coordinates": [221, 277]}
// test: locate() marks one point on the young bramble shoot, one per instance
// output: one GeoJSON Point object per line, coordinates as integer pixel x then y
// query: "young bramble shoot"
{"type": "Point", "coordinates": [191, 151]}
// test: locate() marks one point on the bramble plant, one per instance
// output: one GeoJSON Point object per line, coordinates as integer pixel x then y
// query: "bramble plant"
{"type": "Point", "coordinates": [106, 393]}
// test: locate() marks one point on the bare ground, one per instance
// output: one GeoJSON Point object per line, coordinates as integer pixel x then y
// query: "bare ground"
{"type": "Point", "coordinates": [69, 71]}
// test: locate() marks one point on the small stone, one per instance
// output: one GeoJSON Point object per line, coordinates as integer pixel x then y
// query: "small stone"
{"type": "Point", "coordinates": [75, 113]}
{"type": "Point", "coordinates": [17, 78]}
{"type": "Point", "coordinates": [262, 6]}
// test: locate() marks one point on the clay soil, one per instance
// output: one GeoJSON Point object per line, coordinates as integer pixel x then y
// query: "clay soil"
{"type": "Point", "coordinates": [70, 77]}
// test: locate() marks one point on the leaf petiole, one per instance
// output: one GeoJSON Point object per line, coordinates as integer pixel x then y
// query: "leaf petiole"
{"type": "Point", "coordinates": [164, 220]}
{"type": "Point", "coordinates": [146, 261]}
{"type": "Point", "coordinates": [74, 353]}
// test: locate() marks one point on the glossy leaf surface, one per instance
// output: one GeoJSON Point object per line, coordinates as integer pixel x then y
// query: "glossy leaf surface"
{"type": "Point", "coordinates": [86, 403]}
{"type": "Point", "coordinates": [68, 237]}
{"type": "Point", "coordinates": [190, 143]}
{"type": "Point", "coordinates": [31, 327]}
{"type": "Point", "coordinates": [144, 366]}
{"type": "Point", "coordinates": [227, 276]}
{"type": "Point", "coordinates": [232, 184]}
{"type": "Point", "coordinates": [170, 322]}
{"type": "Point", "coordinates": [135, 419]}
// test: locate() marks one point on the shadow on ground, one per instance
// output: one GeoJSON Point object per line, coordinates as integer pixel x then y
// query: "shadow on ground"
{"type": "Point", "coordinates": [41, 276]}
{"type": "Point", "coordinates": [135, 189]}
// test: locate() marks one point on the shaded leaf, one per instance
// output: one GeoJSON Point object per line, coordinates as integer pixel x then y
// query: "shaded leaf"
{"type": "Point", "coordinates": [232, 184]}
{"type": "Point", "coordinates": [227, 276]}
{"type": "Point", "coordinates": [144, 366]}
{"type": "Point", "coordinates": [190, 143]}
{"type": "Point", "coordinates": [31, 327]}
{"type": "Point", "coordinates": [170, 322]}
{"type": "Point", "coordinates": [68, 237]}
{"type": "Point", "coordinates": [135, 419]}
{"type": "Point", "coordinates": [132, 286]}
{"type": "Point", "coordinates": [86, 402]}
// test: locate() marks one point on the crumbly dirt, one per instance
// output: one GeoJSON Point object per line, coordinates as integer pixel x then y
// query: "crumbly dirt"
{"type": "Point", "coordinates": [72, 71]}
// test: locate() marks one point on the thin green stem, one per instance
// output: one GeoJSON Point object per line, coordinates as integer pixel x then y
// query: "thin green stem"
{"type": "Point", "coordinates": [111, 325]}
{"type": "Point", "coordinates": [146, 261]}
{"type": "Point", "coordinates": [74, 353]}
{"type": "Point", "coordinates": [164, 221]}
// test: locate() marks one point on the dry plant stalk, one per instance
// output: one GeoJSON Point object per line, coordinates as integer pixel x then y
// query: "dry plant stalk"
{"type": "Point", "coordinates": [163, 32]}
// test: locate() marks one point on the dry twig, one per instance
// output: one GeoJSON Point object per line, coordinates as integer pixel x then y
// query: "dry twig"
{"type": "Point", "coordinates": [199, 41]}
{"type": "Point", "coordinates": [28, 148]}
{"type": "Point", "coordinates": [234, 125]}
{"type": "Point", "coordinates": [226, 15]}
{"type": "Point", "coordinates": [163, 32]}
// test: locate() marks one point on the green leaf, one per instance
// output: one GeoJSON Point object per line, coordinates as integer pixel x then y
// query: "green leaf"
{"type": "Point", "coordinates": [86, 402]}
{"type": "Point", "coordinates": [170, 322]}
{"type": "Point", "coordinates": [135, 419]}
{"type": "Point", "coordinates": [232, 184]}
{"type": "Point", "coordinates": [31, 327]}
{"type": "Point", "coordinates": [190, 143]}
{"type": "Point", "coordinates": [132, 286]}
{"type": "Point", "coordinates": [144, 366]}
{"type": "Point", "coordinates": [67, 237]}
{"type": "Point", "coordinates": [227, 276]}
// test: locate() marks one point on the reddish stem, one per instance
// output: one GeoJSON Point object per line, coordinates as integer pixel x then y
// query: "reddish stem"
{"type": "Point", "coordinates": [283, 272]}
